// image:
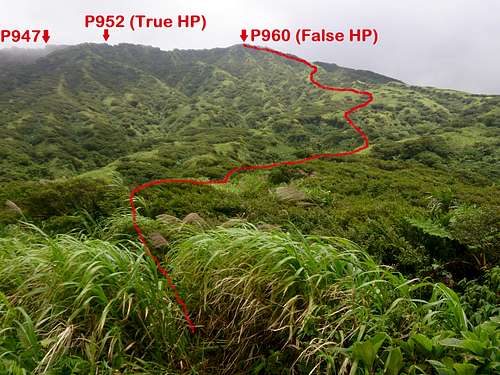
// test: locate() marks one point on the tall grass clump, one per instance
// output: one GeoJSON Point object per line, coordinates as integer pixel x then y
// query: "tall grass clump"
{"type": "Point", "coordinates": [263, 302]}
{"type": "Point", "coordinates": [270, 300]}
{"type": "Point", "coordinates": [85, 305]}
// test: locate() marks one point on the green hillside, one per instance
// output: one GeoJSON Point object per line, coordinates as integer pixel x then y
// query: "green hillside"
{"type": "Point", "coordinates": [83, 107]}
{"type": "Point", "coordinates": [383, 262]}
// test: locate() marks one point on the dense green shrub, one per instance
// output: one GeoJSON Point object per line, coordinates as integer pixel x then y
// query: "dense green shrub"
{"type": "Point", "coordinates": [60, 201]}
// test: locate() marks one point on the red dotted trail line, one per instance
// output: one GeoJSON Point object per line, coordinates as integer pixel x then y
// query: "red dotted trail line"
{"type": "Point", "coordinates": [314, 70]}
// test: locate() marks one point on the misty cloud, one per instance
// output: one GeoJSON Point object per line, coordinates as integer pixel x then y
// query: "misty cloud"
{"type": "Point", "coordinates": [446, 43]}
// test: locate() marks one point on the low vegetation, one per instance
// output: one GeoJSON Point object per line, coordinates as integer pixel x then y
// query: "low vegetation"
{"type": "Point", "coordinates": [262, 301]}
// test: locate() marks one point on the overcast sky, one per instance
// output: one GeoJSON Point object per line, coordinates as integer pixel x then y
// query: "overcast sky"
{"type": "Point", "coordinates": [442, 43]}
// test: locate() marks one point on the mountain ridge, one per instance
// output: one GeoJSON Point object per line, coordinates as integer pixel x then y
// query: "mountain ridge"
{"type": "Point", "coordinates": [31, 55]}
{"type": "Point", "coordinates": [88, 106]}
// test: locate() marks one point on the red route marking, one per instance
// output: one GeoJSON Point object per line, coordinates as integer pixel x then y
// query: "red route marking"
{"type": "Point", "coordinates": [314, 70]}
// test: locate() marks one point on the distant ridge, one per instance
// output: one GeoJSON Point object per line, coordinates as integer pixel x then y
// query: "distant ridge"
{"type": "Point", "coordinates": [68, 110]}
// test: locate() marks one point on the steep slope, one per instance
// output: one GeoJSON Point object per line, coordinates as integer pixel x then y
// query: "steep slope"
{"type": "Point", "coordinates": [80, 108]}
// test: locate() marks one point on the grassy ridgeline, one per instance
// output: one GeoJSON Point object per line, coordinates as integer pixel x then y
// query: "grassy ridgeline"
{"type": "Point", "coordinates": [72, 305]}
